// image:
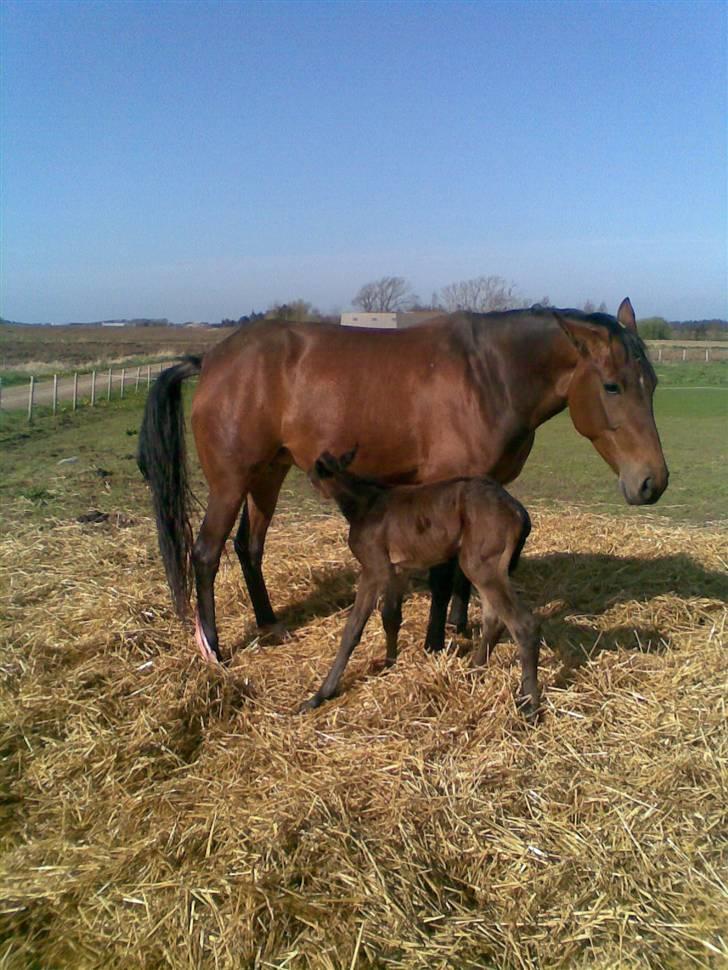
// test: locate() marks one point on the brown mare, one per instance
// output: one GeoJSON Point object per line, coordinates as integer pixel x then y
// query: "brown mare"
{"type": "Point", "coordinates": [460, 396]}
{"type": "Point", "coordinates": [395, 530]}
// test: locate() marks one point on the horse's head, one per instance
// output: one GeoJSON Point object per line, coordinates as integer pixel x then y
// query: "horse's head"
{"type": "Point", "coordinates": [610, 400]}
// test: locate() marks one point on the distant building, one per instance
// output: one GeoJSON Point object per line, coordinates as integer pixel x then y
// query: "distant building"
{"type": "Point", "coordinates": [388, 321]}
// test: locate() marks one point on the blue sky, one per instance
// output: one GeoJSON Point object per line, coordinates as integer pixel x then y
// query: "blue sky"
{"type": "Point", "coordinates": [197, 160]}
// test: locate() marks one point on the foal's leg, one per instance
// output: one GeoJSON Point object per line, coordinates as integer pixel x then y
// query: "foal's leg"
{"type": "Point", "coordinates": [441, 579]}
{"type": "Point", "coordinates": [219, 518]}
{"type": "Point", "coordinates": [392, 617]}
{"type": "Point", "coordinates": [366, 600]}
{"type": "Point", "coordinates": [496, 593]}
{"type": "Point", "coordinates": [250, 540]}
{"type": "Point", "coordinates": [493, 630]}
{"type": "Point", "coordinates": [460, 598]}
{"type": "Point", "coordinates": [524, 628]}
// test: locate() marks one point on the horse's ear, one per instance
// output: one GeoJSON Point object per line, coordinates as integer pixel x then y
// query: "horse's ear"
{"type": "Point", "coordinates": [586, 337]}
{"type": "Point", "coordinates": [625, 315]}
{"type": "Point", "coordinates": [348, 457]}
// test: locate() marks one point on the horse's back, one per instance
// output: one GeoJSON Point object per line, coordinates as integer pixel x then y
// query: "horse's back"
{"type": "Point", "coordinates": [415, 401]}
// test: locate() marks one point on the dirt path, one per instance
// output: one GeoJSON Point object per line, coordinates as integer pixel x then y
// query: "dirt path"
{"type": "Point", "coordinates": [16, 398]}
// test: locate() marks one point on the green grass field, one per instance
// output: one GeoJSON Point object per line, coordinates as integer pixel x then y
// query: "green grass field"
{"type": "Point", "coordinates": [693, 426]}
{"type": "Point", "coordinates": [563, 468]}
{"type": "Point", "coordinates": [45, 350]}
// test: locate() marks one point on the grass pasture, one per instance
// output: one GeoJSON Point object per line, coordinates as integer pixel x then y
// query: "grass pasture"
{"type": "Point", "coordinates": [162, 814]}
{"type": "Point", "coordinates": [45, 350]}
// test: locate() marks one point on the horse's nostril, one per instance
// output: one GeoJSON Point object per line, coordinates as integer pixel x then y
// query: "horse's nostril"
{"type": "Point", "coordinates": [646, 489]}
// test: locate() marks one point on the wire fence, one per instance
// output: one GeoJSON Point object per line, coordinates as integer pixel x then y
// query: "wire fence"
{"type": "Point", "coordinates": [86, 389]}
{"type": "Point", "coordinates": [81, 389]}
{"type": "Point", "coordinates": [669, 353]}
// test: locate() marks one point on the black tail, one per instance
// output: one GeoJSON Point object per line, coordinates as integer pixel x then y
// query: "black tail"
{"type": "Point", "coordinates": [162, 460]}
{"type": "Point", "coordinates": [525, 532]}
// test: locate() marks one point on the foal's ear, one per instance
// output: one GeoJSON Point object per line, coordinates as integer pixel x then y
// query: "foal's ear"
{"type": "Point", "coordinates": [588, 338]}
{"type": "Point", "coordinates": [348, 457]}
{"type": "Point", "coordinates": [321, 467]}
{"type": "Point", "coordinates": [625, 315]}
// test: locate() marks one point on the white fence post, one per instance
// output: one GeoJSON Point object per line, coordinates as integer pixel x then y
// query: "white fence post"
{"type": "Point", "coordinates": [138, 375]}
{"type": "Point", "coordinates": [707, 354]}
{"type": "Point", "coordinates": [685, 354]}
{"type": "Point", "coordinates": [659, 355]}
{"type": "Point", "coordinates": [93, 388]}
{"type": "Point", "coordinates": [149, 376]}
{"type": "Point", "coordinates": [55, 393]}
{"type": "Point", "coordinates": [108, 386]}
{"type": "Point", "coordinates": [31, 392]}
{"type": "Point", "coordinates": [75, 390]}
{"type": "Point", "coordinates": [123, 375]}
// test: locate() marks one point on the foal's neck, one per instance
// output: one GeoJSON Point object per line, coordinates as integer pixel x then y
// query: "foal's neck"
{"type": "Point", "coordinates": [355, 498]}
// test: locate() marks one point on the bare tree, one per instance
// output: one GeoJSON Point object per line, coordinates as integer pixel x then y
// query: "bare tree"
{"type": "Point", "coordinates": [480, 295]}
{"type": "Point", "coordinates": [297, 311]}
{"type": "Point", "coordinates": [387, 295]}
{"type": "Point", "coordinates": [591, 307]}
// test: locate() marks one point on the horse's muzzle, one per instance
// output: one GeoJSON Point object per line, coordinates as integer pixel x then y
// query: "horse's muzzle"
{"type": "Point", "coordinates": [646, 489]}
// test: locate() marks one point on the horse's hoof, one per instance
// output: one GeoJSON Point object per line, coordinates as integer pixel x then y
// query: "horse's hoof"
{"type": "Point", "coordinates": [530, 711]}
{"type": "Point", "coordinates": [274, 633]}
{"type": "Point", "coordinates": [209, 654]}
{"type": "Point", "coordinates": [461, 627]}
{"type": "Point", "coordinates": [310, 705]}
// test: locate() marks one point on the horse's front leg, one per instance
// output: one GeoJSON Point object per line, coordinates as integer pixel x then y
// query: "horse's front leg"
{"type": "Point", "coordinates": [461, 590]}
{"type": "Point", "coordinates": [392, 615]}
{"type": "Point", "coordinates": [441, 579]}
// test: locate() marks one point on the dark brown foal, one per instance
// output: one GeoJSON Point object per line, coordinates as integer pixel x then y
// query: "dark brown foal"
{"type": "Point", "coordinates": [394, 530]}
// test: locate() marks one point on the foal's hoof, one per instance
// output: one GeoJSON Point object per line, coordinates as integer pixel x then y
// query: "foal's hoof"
{"type": "Point", "coordinates": [310, 705]}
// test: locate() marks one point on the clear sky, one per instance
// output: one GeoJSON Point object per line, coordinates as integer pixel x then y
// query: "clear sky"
{"type": "Point", "coordinates": [197, 160]}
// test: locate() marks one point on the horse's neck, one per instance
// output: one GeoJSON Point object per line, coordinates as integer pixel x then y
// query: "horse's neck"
{"type": "Point", "coordinates": [552, 363]}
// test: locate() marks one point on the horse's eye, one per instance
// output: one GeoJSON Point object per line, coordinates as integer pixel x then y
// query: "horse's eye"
{"type": "Point", "coordinates": [612, 388]}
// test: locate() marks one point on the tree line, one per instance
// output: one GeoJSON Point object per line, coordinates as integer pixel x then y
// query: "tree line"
{"type": "Point", "coordinates": [482, 294]}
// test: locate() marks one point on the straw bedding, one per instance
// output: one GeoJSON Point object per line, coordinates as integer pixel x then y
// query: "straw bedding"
{"type": "Point", "coordinates": [160, 813]}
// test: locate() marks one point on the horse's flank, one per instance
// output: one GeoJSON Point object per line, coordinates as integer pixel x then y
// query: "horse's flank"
{"type": "Point", "coordinates": [415, 401]}
{"type": "Point", "coordinates": [459, 396]}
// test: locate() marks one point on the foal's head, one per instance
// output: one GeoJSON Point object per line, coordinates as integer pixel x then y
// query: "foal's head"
{"type": "Point", "coordinates": [610, 400]}
{"type": "Point", "coordinates": [353, 494]}
{"type": "Point", "coordinates": [329, 474]}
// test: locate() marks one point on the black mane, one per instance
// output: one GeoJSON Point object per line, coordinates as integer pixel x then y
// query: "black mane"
{"type": "Point", "coordinates": [631, 341]}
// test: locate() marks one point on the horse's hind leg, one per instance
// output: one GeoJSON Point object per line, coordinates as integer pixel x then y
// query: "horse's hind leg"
{"type": "Point", "coordinates": [219, 519]}
{"type": "Point", "coordinates": [250, 539]}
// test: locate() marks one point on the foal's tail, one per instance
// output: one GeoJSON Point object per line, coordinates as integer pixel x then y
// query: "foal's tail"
{"type": "Point", "coordinates": [525, 532]}
{"type": "Point", "coordinates": [162, 460]}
